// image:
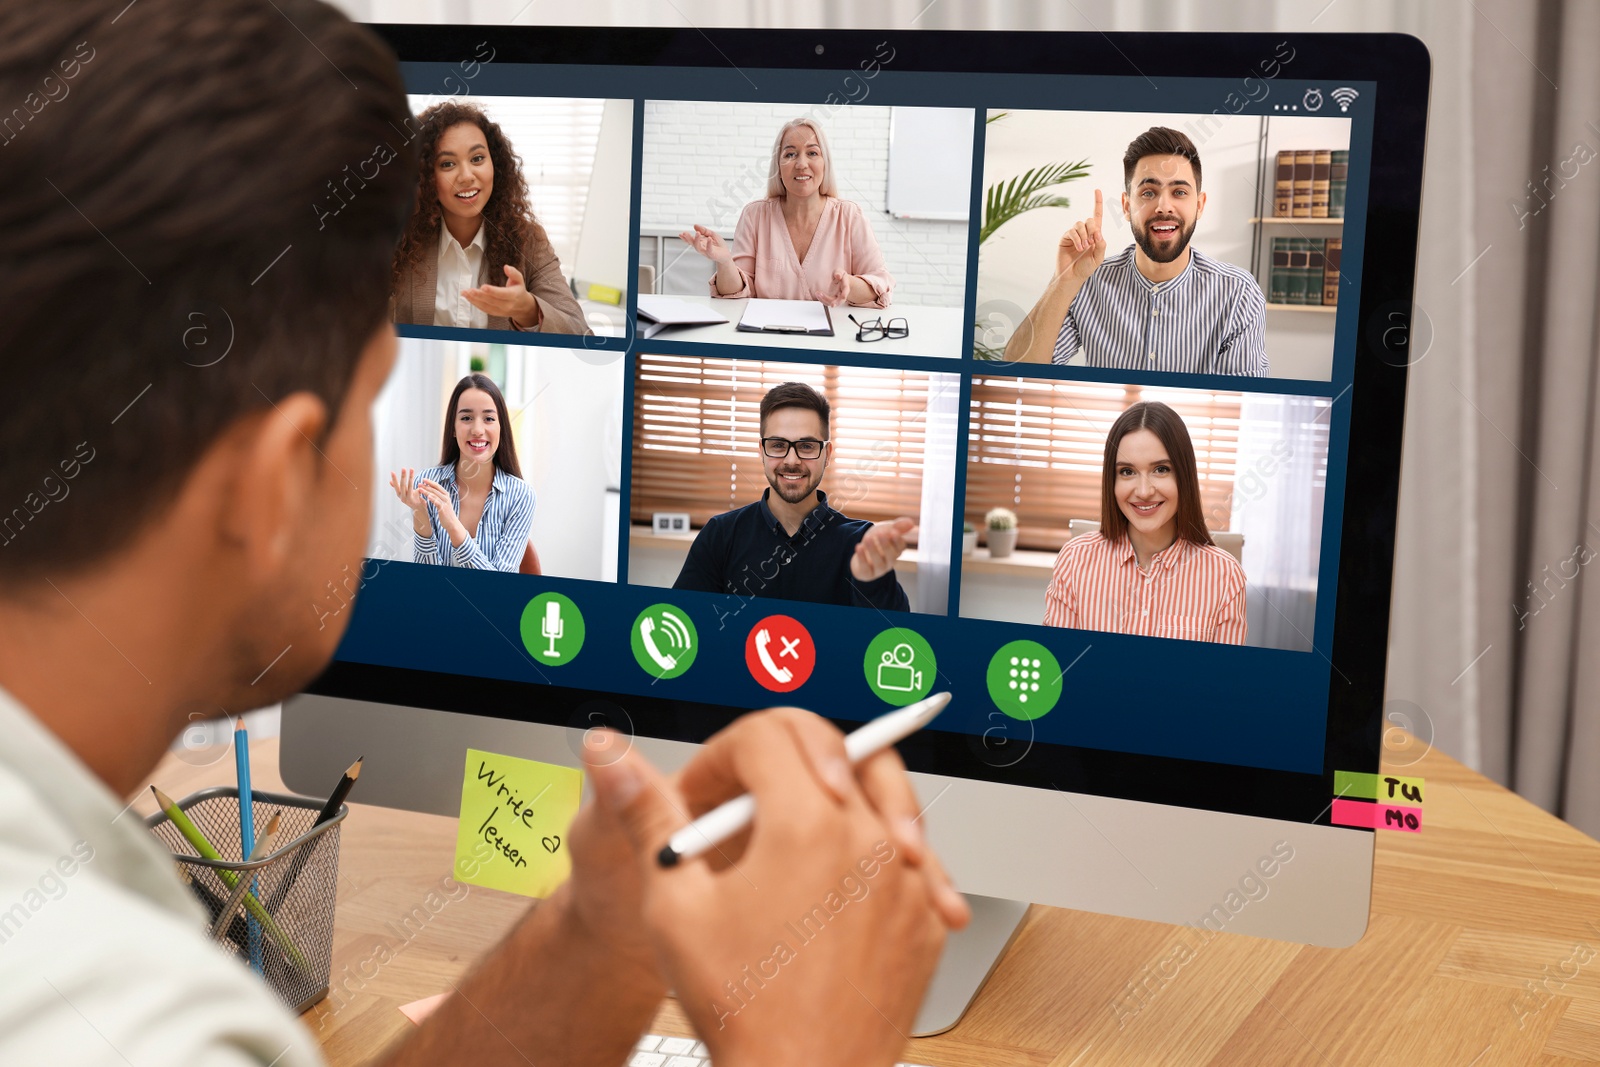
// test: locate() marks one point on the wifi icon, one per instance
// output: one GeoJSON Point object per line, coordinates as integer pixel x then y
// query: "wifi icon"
{"type": "Point", "coordinates": [1344, 96]}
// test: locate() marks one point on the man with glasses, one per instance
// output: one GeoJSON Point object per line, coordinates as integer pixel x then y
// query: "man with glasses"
{"type": "Point", "coordinates": [791, 544]}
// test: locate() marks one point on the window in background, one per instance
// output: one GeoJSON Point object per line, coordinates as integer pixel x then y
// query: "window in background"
{"type": "Point", "coordinates": [696, 423]}
{"type": "Point", "coordinates": [1037, 447]}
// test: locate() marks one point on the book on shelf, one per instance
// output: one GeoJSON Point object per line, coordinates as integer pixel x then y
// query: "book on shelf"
{"type": "Point", "coordinates": [1330, 271]}
{"type": "Point", "coordinates": [1294, 289]}
{"type": "Point", "coordinates": [1278, 280]}
{"type": "Point", "coordinates": [1314, 269]}
{"type": "Point", "coordinates": [1303, 165]}
{"type": "Point", "coordinates": [1283, 187]}
{"type": "Point", "coordinates": [1321, 167]}
{"type": "Point", "coordinates": [1338, 177]}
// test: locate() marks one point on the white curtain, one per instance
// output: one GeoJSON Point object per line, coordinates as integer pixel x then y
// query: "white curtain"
{"type": "Point", "coordinates": [938, 491]}
{"type": "Point", "coordinates": [1277, 505]}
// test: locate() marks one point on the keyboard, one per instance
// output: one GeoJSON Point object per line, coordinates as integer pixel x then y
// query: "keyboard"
{"type": "Point", "coordinates": [654, 1050]}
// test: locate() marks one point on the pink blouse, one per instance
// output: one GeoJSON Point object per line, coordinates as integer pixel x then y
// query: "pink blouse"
{"type": "Point", "coordinates": [765, 258]}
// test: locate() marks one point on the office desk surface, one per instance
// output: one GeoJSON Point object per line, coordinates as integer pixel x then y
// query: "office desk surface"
{"type": "Point", "coordinates": [1482, 951]}
{"type": "Point", "coordinates": [935, 331]}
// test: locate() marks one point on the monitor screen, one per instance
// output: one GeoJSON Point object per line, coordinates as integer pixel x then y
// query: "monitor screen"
{"type": "Point", "coordinates": [874, 371]}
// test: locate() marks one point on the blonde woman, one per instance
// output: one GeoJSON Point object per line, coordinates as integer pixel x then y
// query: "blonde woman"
{"type": "Point", "coordinates": [802, 242]}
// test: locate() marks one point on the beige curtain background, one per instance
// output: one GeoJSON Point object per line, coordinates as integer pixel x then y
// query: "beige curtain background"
{"type": "Point", "coordinates": [1493, 647]}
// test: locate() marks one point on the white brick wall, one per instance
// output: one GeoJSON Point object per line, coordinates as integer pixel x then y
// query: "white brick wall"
{"type": "Point", "coordinates": [703, 161]}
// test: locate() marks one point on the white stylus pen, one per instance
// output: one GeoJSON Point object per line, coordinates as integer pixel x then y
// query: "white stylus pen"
{"type": "Point", "coordinates": [725, 820]}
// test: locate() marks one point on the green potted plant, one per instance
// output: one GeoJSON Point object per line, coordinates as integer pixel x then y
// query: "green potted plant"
{"type": "Point", "coordinates": [1005, 200]}
{"type": "Point", "coordinates": [969, 538]}
{"type": "Point", "coordinates": [1002, 524]}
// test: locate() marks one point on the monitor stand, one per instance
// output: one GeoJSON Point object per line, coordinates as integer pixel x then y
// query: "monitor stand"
{"type": "Point", "coordinates": [969, 957]}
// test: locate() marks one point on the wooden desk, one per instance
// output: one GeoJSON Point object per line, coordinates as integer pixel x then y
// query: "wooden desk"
{"type": "Point", "coordinates": [1493, 896]}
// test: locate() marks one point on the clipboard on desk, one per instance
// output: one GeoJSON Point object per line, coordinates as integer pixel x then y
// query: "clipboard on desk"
{"type": "Point", "coordinates": [807, 318]}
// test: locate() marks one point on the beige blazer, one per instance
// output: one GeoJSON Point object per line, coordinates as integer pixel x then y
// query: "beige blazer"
{"type": "Point", "coordinates": [412, 302]}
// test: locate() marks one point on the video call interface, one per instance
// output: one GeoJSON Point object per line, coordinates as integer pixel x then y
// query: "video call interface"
{"type": "Point", "coordinates": [843, 388]}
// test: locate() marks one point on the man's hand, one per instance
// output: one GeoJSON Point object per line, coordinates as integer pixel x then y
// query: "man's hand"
{"type": "Point", "coordinates": [575, 982]}
{"type": "Point", "coordinates": [814, 932]}
{"type": "Point", "coordinates": [1083, 247]}
{"type": "Point", "coordinates": [879, 547]}
{"type": "Point", "coordinates": [1081, 250]}
{"type": "Point", "coordinates": [604, 897]}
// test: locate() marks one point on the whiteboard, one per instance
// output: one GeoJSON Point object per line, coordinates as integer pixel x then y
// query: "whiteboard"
{"type": "Point", "coordinates": [930, 163]}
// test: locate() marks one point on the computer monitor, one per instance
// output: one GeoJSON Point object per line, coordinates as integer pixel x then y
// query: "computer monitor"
{"type": "Point", "coordinates": [1161, 650]}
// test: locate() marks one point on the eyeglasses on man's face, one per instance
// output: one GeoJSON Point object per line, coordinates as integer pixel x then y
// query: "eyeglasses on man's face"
{"type": "Point", "coordinates": [778, 447]}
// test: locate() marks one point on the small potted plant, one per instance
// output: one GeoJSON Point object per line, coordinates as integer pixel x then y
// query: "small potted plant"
{"type": "Point", "coordinates": [1002, 524]}
{"type": "Point", "coordinates": [969, 538]}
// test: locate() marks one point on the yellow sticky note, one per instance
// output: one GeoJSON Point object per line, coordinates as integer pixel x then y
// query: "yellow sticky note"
{"type": "Point", "coordinates": [514, 818]}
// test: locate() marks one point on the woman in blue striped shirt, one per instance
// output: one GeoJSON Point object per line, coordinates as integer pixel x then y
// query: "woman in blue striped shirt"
{"type": "Point", "coordinates": [474, 509]}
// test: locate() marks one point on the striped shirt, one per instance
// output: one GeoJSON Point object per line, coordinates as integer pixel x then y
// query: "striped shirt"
{"type": "Point", "coordinates": [502, 531]}
{"type": "Point", "coordinates": [1191, 592]}
{"type": "Point", "coordinates": [1210, 319]}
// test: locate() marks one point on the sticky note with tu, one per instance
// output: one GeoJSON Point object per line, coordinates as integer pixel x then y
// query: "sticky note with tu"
{"type": "Point", "coordinates": [1384, 788]}
{"type": "Point", "coordinates": [514, 818]}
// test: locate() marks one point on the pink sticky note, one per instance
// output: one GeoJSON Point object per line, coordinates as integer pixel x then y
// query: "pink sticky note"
{"type": "Point", "coordinates": [419, 1010]}
{"type": "Point", "coordinates": [1377, 816]}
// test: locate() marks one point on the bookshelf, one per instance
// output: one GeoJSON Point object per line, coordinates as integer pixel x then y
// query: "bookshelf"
{"type": "Point", "coordinates": [1295, 236]}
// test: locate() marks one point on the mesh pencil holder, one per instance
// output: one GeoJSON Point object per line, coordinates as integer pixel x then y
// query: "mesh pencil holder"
{"type": "Point", "coordinates": [292, 904]}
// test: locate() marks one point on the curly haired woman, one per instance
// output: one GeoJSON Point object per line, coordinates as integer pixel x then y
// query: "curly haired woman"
{"type": "Point", "coordinates": [473, 255]}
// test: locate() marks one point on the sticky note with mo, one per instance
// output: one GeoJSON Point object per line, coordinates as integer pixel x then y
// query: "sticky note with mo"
{"type": "Point", "coordinates": [514, 818]}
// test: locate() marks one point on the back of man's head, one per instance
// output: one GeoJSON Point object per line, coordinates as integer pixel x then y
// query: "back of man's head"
{"type": "Point", "coordinates": [201, 203]}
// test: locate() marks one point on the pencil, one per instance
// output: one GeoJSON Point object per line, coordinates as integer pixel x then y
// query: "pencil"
{"type": "Point", "coordinates": [329, 810]}
{"type": "Point", "coordinates": [205, 850]}
{"type": "Point", "coordinates": [263, 845]}
{"type": "Point", "coordinates": [213, 905]}
{"type": "Point", "coordinates": [247, 828]}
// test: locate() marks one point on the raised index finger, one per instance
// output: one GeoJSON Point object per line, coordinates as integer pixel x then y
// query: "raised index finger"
{"type": "Point", "coordinates": [1099, 205]}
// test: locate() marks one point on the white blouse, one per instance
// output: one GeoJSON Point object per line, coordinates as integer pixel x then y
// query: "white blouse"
{"type": "Point", "coordinates": [459, 269]}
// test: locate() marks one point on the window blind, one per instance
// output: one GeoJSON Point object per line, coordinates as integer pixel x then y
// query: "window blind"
{"type": "Point", "coordinates": [696, 435]}
{"type": "Point", "coordinates": [1037, 447]}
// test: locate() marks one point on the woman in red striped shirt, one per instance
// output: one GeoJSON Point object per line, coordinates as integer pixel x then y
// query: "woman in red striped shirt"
{"type": "Point", "coordinates": [1152, 569]}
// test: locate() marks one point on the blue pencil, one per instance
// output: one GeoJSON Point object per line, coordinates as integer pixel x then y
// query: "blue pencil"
{"type": "Point", "coordinates": [247, 831]}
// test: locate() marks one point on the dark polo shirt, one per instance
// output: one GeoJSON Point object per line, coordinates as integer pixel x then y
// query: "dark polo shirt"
{"type": "Point", "coordinates": [747, 552]}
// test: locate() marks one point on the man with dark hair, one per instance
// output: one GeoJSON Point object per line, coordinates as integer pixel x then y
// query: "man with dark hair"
{"type": "Point", "coordinates": [791, 544]}
{"type": "Point", "coordinates": [201, 205]}
{"type": "Point", "coordinates": [1160, 304]}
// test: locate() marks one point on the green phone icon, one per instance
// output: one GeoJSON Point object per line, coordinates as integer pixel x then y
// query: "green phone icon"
{"type": "Point", "coordinates": [664, 641]}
